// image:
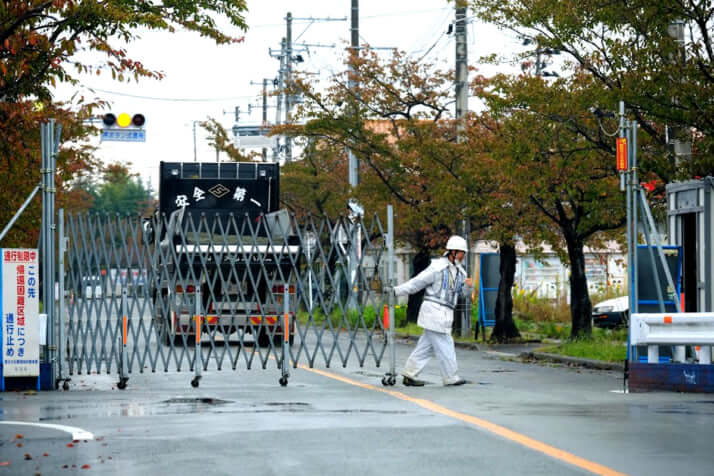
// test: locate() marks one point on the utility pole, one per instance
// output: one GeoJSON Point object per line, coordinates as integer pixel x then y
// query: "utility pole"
{"type": "Point", "coordinates": [356, 240]}
{"type": "Point", "coordinates": [279, 108]}
{"type": "Point", "coordinates": [462, 107]}
{"type": "Point", "coordinates": [681, 145]}
{"type": "Point", "coordinates": [265, 115]}
{"type": "Point", "coordinates": [354, 51]}
{"type": "Point", "coordinates": [285, 76]}
{"type": "Point", "coordinates": [195, 158]}
{"type": "Point", "coordinates": [288, 83]}
{"type": "Point", "coordinates": [462, 66]}
{"type": "Point", "coordinates": [264, 123]}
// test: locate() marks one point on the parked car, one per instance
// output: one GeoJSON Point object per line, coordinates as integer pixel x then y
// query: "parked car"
{"type": "Point", "coordinates": [92, 287]}
{"type": "Point", "coordinates": [612, 313]}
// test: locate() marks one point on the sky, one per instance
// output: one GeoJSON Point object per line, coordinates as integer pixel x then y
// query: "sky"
{"type": "Point", "coordinates": [205, 80]}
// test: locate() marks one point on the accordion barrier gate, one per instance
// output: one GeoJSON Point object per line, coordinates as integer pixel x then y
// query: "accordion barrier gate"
{"type": "Point", "coordinates": [223, 293]}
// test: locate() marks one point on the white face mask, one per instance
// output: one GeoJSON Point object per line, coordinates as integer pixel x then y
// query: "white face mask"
{"type": "Point", "coordinates": [458, 261]}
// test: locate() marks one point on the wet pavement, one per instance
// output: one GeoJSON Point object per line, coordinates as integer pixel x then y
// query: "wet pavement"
{"type": "Point", "coordinates": [343, 421]}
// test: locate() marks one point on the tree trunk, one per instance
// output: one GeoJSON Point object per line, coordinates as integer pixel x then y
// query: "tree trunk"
{"type": "Point", "coordinates": [420, 262]}
{"type": "Point", "coordinates": [580, 305]}
{"type": "Point", "coordinates": [505, 328]}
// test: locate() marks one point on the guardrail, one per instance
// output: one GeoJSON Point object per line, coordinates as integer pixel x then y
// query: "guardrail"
{"type": "Point", "coordinates": [674, 329]}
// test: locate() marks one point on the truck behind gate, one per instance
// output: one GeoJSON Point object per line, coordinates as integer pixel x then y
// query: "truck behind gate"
{"type": "Point", "coordinates": [220, 238]}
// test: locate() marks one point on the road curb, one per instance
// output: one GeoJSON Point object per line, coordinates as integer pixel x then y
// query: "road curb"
{"type": "Point", "coordinates": [460, 345]}
{"type": "Point", "coordinates": [503, 355]}
{"type": "Point", "coordinates": [563, 359]}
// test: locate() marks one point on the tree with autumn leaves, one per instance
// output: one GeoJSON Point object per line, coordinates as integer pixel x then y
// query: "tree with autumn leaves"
{"type": "Point", "coordinates": [655, 55]}
{"type": "Point", "coordinates": [568, 185]}
{"type": "Point", "coordinates": [552, 177]}
{"type": "Point", "coordinates": [393, 114]}
{"type": "Point", "coordinates": [40, 42]}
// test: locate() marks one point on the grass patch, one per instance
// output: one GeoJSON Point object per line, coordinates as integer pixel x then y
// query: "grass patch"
{"type": "Point", "coordinates": [409, 328]}
{"type": "Point", "coordinates": [604, 345]}
{"type": "Point", "coordinates": [340, 318]}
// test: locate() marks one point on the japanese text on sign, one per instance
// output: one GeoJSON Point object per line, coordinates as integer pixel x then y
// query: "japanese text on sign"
{"type": "Point", "coordinates": [19, 330]}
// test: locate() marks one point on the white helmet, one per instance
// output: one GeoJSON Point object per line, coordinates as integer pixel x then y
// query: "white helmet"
{"type": "Point", "coordinates": [456, 243]}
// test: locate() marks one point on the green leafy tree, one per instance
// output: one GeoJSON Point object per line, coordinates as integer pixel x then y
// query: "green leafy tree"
{"type": "Point", "coordinates": [121, 192]}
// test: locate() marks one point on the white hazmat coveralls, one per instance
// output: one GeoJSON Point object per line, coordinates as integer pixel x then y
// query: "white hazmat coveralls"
{"type": "Point", "coordinates": [442, 282]}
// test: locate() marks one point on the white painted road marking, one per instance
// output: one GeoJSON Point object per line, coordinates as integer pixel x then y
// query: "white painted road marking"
{"type": "Point", "coordinates": [77, 433]}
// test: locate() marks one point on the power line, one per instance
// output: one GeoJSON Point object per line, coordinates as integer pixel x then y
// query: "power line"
{"type": "Point", "coordinates": [441, 26]}
{"type": "Point", "coordinates": [432, 47]}
{"type": "Point", "coordinates": [381, 15]}
{"type": "Point", "coordinates": [154, 98]}
{"type": "Point", "coordinates": [410, 12]}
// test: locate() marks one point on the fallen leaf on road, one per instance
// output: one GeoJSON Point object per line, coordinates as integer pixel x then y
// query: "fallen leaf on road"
{"type": "Point", "coordinates": [4, 463]}
{"type": "Point", "coordinates": [19, 445]}
{"type": "Point", "coordinates": [70, 445]}
{"type": "Point", "coordinates": [18, 436]}
{"type": "Point", "coordinates": [85, 466]}
{"type": "Point", "coordinates": [45, 454]}
{"type": "Point", "coordinates": [28, 456]}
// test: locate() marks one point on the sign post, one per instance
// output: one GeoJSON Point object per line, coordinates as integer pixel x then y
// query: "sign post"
{"type": "Point", "coordinates": [19, 303]}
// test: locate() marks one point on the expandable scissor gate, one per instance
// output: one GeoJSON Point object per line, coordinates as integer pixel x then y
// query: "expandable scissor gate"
{"type": "Point", "coordinates": [174, 293]}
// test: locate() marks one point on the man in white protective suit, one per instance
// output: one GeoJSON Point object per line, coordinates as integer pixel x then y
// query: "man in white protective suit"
{"type": "Point", "coordinates": [442, 282]}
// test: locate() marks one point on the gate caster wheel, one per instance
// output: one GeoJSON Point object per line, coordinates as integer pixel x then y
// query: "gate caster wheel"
{"type": "Point", "coordinates": [385, 381]}
{"type": "Point", "coordinates": [121, 384]}
{"type": "Point", "coordinates": [65, 385]}
{"type": "Point", "coordinates": [392, 380]}
{"type": "Point", "coordinates": [194, 382]}
{"type": "Point", "coordinates": [283, 381]}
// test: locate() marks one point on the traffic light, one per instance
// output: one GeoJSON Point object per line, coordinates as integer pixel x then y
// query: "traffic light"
{"type": "Point", "coordinates": [123, 128]}
{"type": "Point", "coordinates": [123, 120]}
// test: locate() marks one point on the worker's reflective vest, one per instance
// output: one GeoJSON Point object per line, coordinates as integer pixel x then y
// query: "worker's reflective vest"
{"type": "Point", "coordinates": [449, 291]}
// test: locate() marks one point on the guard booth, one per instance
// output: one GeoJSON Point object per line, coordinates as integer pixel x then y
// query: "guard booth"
{"type": "Point", "coordinates": [690, 213]}
{"type": "Point", "coordinates": [689, 334]}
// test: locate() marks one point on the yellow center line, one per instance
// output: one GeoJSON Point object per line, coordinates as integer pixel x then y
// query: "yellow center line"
{"type": "Point", "coordinates": [504, 432]}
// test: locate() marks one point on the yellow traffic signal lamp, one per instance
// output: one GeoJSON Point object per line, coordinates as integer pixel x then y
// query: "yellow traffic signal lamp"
{"type": "Point", "coordinates": [123, 120]}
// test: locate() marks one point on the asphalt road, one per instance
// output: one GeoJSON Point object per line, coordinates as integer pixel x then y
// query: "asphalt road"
{"type": "Point", "coordinates": [515, 418]}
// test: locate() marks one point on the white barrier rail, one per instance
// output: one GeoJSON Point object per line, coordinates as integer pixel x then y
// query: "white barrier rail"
{"type": "Point", "coordinates": [675, 329]}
